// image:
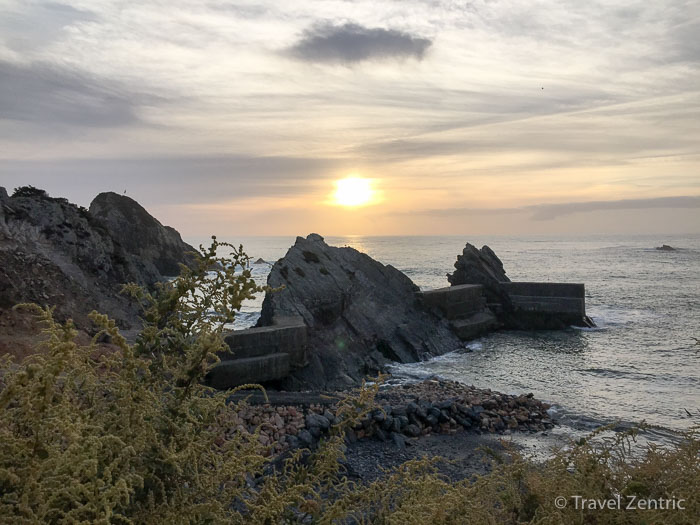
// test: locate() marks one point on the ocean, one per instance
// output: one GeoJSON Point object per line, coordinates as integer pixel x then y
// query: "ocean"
{"type": "Point", "coordinates": [641, 363]}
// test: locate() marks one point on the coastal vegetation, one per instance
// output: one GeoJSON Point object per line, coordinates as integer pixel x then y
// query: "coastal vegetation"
{"type": "Point", "coordinates": [112, 432]}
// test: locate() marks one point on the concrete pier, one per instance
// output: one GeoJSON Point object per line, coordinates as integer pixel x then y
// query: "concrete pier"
{"type": "Point", "coordinates": [456, 302]}
{"type": "Point", "coordinates": [548, 304]}
{"type": "Point", "coordinates": [265, 354]}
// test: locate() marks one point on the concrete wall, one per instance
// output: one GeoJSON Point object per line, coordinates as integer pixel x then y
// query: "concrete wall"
{"type": "Point", "coordinates": [545, 304]}
{"type": "Point", "coordinates": [230, 374]}
{"type": "Point", "coordinates": [261, 354]}
{"type": "Point", "coordinates": [256, 342]}
{"type": "Point", "coordinates": [456, 302]}
{"type": "Point", "coordinates": [464, 306]}
{"type": "Point", "coordinates": [536, 306]}
{"type": "Point", "coordinates": [545, 289]}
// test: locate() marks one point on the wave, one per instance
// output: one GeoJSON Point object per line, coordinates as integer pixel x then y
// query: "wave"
{"type": "Point", "coordinates": [586, 423]}
{"type": "Point", "coordinates": [609, 372]}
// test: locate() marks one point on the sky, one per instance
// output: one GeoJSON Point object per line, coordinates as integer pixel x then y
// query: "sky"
{"type": "Point", "coordinates": [239, 118]}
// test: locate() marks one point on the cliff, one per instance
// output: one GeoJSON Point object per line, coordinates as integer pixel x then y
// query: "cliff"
{"type": "Point", "coordinates": [53, 252]}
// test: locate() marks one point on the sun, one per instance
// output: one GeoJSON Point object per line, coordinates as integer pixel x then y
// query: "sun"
{"type": "Point", "coordinates": [353, 192]}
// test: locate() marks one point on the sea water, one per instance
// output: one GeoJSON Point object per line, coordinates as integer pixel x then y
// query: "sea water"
{"type": "Point", "coordinates": [640, 364]}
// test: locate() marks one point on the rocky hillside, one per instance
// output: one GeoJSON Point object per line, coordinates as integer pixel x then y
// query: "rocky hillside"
{"type": "Point", "coordinates": [361, 314]}
{"type": "Point", "coordinates": [156, 248]}
{"type": "Point", "coordinates": [55, 253]}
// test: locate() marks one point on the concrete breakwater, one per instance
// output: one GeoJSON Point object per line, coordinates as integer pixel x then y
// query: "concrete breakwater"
{"type": "Point", "coordinates": [342, 316]}
{"type": "Point", "coordinates": [267, 354]}
{"type": "Point", "coordinates": [555, 304]}
{"type": "Point", "coordinates": [520, 305]}
{"type": "Point", "coordinates": [299, 419]}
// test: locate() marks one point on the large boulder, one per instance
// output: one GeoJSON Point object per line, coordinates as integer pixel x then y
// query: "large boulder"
{"type": "Point", "coordinates": [361, 315]}
{"type": "Point", "coordinates": [159, 249]}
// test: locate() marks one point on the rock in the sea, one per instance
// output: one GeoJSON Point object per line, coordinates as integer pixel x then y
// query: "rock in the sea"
{"type": "Point", "coordinates": [55, 253]}
{"type": "Point", "coordinates": [666, 248]}
{"type": "Point", "coordinates": [521, 305]}
{"type": "Point", "coordinates": [483, 267]}
{"type": "Point", "coordinates": [361, 315]}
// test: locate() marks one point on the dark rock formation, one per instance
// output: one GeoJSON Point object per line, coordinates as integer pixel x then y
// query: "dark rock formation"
{"type": "Point", "coordinates": [55, 253]}
{"type": "Point", "coordinates": [666, 248]}
{"type": "Point", "coordinates": [483, 267]}
{"type": "Point", "coordinates": [521, 305]}
{"type": "Point", "coordinates": [156, 248]}
{"type": "Point", "coordinates": [361, 315]}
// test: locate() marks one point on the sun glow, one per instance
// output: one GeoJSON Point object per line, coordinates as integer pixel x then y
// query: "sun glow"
{"type": "Point", "coordinates": [353, 192]}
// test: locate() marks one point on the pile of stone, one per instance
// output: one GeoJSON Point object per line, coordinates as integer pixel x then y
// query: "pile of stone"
{"type": "Point", "coordinates": [405, 411]}
{"type": "Point", "coordinates": [445, 406]}
{"type": "Point", "coordinates": [280, 427]}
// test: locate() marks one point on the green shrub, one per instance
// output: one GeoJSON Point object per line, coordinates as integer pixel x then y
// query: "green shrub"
{"type": "Point", "coordinates": [129, 434]}
{"type": "Point", "coordinates": [29, 191]}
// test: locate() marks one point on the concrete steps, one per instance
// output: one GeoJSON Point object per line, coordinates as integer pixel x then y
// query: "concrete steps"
{"type": "Point", "coordinates": [261, 341]}
{"type": "Point", "coordinates": [262, 354]}
{"type": "Point", "coordinates": [474, 326]}
{"type": "Point", "coordinates": [236, 372]}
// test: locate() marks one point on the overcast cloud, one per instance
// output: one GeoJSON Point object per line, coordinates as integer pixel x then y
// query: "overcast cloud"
{"type": "Point", "coordinates": [49, 95]}
{"type": "Point", "coordinates": [548, 212]}
{"type": "Point", "coordinates": [447, 105]}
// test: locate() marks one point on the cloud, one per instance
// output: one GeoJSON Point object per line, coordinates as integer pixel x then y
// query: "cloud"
{"type": "Point", "coordinates": [170, 180]}
{"type": "Point", "coordinates": [685, 45]}
{"type": "Point", "coordinates": [351, 43]}
{"type": "Point", "coordinates": [554, 102]}
{"type": "Point", "coordinates": [33, 26]}
{"type": "Point", "coordinates": [51, 95]}
{"type": "Point", "coordinates": [548, 212]}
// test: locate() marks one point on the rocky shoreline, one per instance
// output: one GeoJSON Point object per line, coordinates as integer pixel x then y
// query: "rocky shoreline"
{"type": "Point", "coordinates": [334, 316]}
{"type": "Point", "coordinates": [404, 415]}
{"type": "Point", "coordinates": [354, 317]}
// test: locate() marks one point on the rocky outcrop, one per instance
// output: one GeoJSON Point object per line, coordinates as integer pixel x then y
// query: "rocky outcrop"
{"type": "Point", "coordinates": [55, 253]}
{"type": "Point", "coordinates": [361, 315]}
{"type": "Point", "coordinates": [157, 249]}
{"type": "Point", "coordinates": [520, 305]}
{"type": "Point", "coordinates": [482, 267]}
